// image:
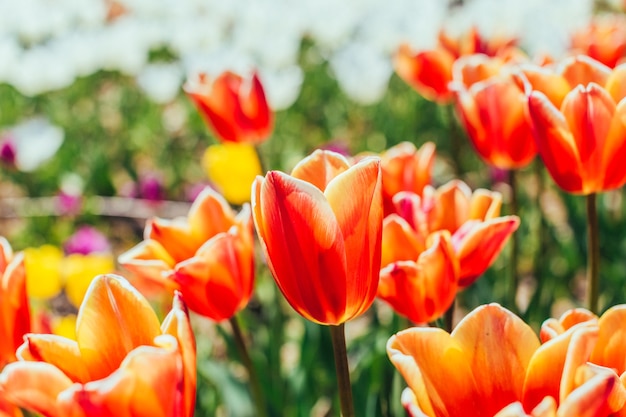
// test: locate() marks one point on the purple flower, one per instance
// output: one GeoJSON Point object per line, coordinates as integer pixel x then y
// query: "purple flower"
{"type": "Point", "coordinates": [87, 240]}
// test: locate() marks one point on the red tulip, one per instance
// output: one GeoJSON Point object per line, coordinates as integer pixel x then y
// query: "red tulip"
{"type": "Point", "coordinates": [603, 39]}
{"type": "Point", "coordinates": [122, 363]}
{"type": "Point", "coordinates": [235, 108]}
{"type": "Point", "coordinates": [208, 256]}
{"type": "Point", "coordinates": [320, 230]}
{"type": "Point", "coordinates": [577, 113]}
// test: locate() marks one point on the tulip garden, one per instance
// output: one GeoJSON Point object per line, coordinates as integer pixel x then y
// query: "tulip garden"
{"type": "Point", "coordinates": [377, 209]}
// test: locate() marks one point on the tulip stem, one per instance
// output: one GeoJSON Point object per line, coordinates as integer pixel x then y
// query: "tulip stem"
{"type": "Point", "coordinates": [240, 343]}
{"type": "Point", "coordinates": [338, 336]}
{"type": "Point", "coordinates": [514, 249]}
{"type": "Point", "coordinates": [448, 318]}
{"type": "Point", "coordinates": [593, 254]}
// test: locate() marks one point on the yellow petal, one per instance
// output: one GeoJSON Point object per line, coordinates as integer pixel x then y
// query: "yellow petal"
{"type": "Point", "coordinates": [43, 269]}
{"type": "Point", "coordinates": [79, 272]}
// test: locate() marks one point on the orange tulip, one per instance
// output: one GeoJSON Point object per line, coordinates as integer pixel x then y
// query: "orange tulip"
{"type": "Point", "coordinates": [472, 218]}
{"type": "Point", "coordinates": [577, 113]}
{"type": "Point", "coordinates": [406, 168]}
{"type": "Point", "coordinates": [603, 39]}
{"type": "Point", "coordinates": [320, 230]}
{"type": "Point", "coordinates": [14, 313]}
{"type": "Point", "coordinates": [425, 286]}
{"type": "Point", "coordinates": [208, 256]}
{"type": "Point", "coordinates": [235, 108]}
{"type": "Point", "coordinates": [492, 109]}
{"type": "Point", "coordinates": [492, 360]}
{"type": "Point", "coordinates": [430, 72]}
{"type": "Point", "coordinates": [123, 362]}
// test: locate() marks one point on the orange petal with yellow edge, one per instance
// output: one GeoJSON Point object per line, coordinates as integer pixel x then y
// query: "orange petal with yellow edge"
{"type": "Point", "coordinates": [484, 205]}
{"type": "Point", "coordinates": [8, 409]}
{"type": "Point", "coordinates": [436, 369]}
{"type": "Point", "coordinates": [410, 404]}
{"type": "Point", "coordinates": [499, 347]}
{"type": "Point", "coordinates": [583, 70]}
{"type": "Point", "coordinates": [177, 324]}
{"type": "Point", "coordinates": [428, 72]}
{"type": "Point", "coordinates": [56, 350]}
{"type": "Point", "coordinates": [552, 327]}
{"type": "Point", "coordinates": [175, 236]}
{"type": "Point", "coordinates": [34, 386]}
{"type": "Point", "coordinates": [553, 367]}
{"type": "Point", "coordinates": [209, 215]}
{"type": "Point", "coordinates": [599, 393]}
{"type": "Point", "coordinates": [14, 306]}
{"type": "Point", "coordinates": [148, 383]}
{"type": "Point", "coordinates": [320, 168]}
{"type": "Point", "coordinates": [609, 350]}
{"type": "Point", "coordinates": [400, 241]}
{"type": "Point", "coordinates": [303, 244]}
{"type": "Point", "coordinates": [113, 320]}
{"type": "Point", "coordinates": [478, 244]}
{"type": "Point", "coordinates": [614, 151]}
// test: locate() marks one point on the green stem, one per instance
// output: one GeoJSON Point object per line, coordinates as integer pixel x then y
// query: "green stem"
{"type": "Point", "coordinates": [456, 143]}
{"type": "Point", "coordinates": [262, 162]}
{"type": "Point", "coordinates": [257, 394]}
{"type": "Point", "coordinates": [448, 318]}
{"type": "Point", "coordinates": [338, 336]}
{"type": "Point", "coordinates": [514, 282]}
{"type": "Point", "coordinates": [593, 254]}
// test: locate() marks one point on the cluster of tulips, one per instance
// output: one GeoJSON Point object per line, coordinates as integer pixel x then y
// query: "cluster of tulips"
{"type": "Point", "coordinates": [339, 231]}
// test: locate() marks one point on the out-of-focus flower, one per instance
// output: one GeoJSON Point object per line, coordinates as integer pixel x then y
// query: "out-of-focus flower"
{"type": "Point", "coordinates": [493, 359]}
{"type": "Point", "coordinates": [30, 143]}
{"type": "Point", "coordinates": [406, 168]}
{"type": "Point", "coordinates": [429, 72]}
{"type": "Point", "coordinates": [43, 265]}
{"type": "Point", "coordinates": [492, 107]}
{"type": "Point", "coordinates": [87, 240]}
{"type": "Point", "coordinates": [161, 82]}
{"type": "Point", "coordinates": [320, 229]}
{"type": "Point", "coordinates": [423, 285]}
{"type": "Point", "coordinates": [472, 218]}
{"type": "Point", "coordinates": [603, 39]}
{"type": "Point", "coordinates": [576, 112]}
{"type": "Point", "coordinates": [232, 167]}
{"type": "Point", "coordinates": [208, 256]}
{"type": "Point", "coordinates": [122, 359]}
{"type": "Point", "coordinates": [234, 107]}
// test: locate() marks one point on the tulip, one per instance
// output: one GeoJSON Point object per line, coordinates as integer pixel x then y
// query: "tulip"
{"type": "Point", "coordinates": [320, 229]}
{"type": "Point", "coordinates": [406, 168]}
{"type": "Point", "coordinates": [473, 219]}
{"type": "Point", "coordinates": [576, 114]}
{"type": "Point", "coordinates": [425, 286]}
{"type": "Point", "coordinates": [492, 360]}
{"type": "Point", "coordinates": [208, 256]}
{"type": "Point", "coordinates": [123, 362]}
{"type": "Point", "coordinates": [430, 72]}
{"type": "Point", "coordinates": [235, 108]}
{"type": "Point", "coordinates": [603, 39]}
{"type": "Point", "coordinates": [492, 109]}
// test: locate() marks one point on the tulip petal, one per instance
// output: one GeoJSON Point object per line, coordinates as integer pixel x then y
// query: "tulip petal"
{"type": "Point", "coordinates": [209, 215]}
{"type": "Point", "coordinates": [113, 319]}
{"type": "Point", "coordinates": [614, 150]}
{"type": "Point", "coordinates": [55, 350]}
{"type": "Point", "coordinates": [428, 72]}
{"type": "Point", "coordinates": [320, 168]}
{"type": "Point", "coordinates": [609, 350]}
{"type": "Point", "coordinates": [499, 347]}
{"type": "Point", "coordinates": [293, 217]}
{"type": "Point", "coordinates": [555, 143]}
{"type": "Point", "coordinates": [34, 386]}
{"type": "Point", "coordinates": [399, 241]}
{"type": "Point", "coordinates": [14, 307]}
{"type": "Point", "coordinates": [149, 262]}
{"type": "Point", "coordinates": [583, 70]}
{"type": "Point", "coordinates": [174, 235]}
{"type": "Point", "coordinates": [360, 218]}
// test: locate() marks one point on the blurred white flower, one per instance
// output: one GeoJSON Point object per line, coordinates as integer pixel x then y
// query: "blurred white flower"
{"type": "Point", "coordinates": [10, 52]}
{"type": "Point", "coordinates": [282, 86]}
{"type": "Point", "coordinates": [33, 142]}
{"type": "Point", "coordinates": [40, 70]}
{"type": "Point", "coordinates": [161, 82]}
{"type": "Point", "coordinates": [362, 72]}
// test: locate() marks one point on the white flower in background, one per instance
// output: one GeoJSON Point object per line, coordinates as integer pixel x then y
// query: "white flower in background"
{"type": "Point", "coordinates": [282, 86]}
{"type": "Point", "coordinates": [161, 82]}
{"type": "Point", "coordinates": [10, 52]}
{"type": "Point", "coordinates": [331, 23]}
{"type": "Point", "coordinates": [124, 46]}
{"type": "Point", "coordinates": [32, 143]}
{"type": "Point", "coordinates": [362, 72]}
{"type": "Point", "coordinates": [40, 70]}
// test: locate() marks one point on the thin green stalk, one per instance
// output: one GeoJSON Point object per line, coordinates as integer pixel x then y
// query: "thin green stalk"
{"type": "Point", "coordinates": [593, 254]}
{"type": "Point", "coordinates": [448, 318]}
{"type": "Point", "coordinates": [338, 336]}
{"type": "Point", "coordinates": [255, 386]}
{"type": "Point", "coordinates": [514, 281]}
{"type": "Point", "coordinates": [456, 141]}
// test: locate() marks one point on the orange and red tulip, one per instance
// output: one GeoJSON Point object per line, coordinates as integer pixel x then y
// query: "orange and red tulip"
{"type": "Point", "coordinates": [234, 107]}
{"type": "Point", "coordinates": [406, 168]}
{"type": "Point", "coordinates": [208, 256]}
{"type": "Point", "coordinates": [122, 363]}
{"type": "Point", "coordinates": [430, 72]}
{"type": "Point", "coordinates": [424, 287]}
{"type": "Point", "coordinates": [577, 114]}
{"type": "Point", "coordinates": [492, 107]}
{"type": "Point", "coordinates": [603, 39]}
{"type": "Point", "coordinates": [473, 219]}
{"type": "Point", "coordinates": [320, 230]}
{"type": "Point", "coordinates": [493, 359]}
